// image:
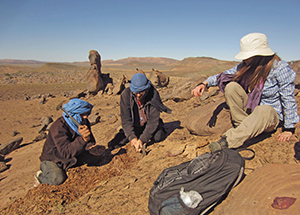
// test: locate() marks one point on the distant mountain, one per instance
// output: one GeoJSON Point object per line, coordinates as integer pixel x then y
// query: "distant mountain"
{"type": "Point", "coordinates": [62, 67]}
{"type": "Point", "coordinates": [205, 65]}
{"type": "Point", "coordinates": [20, 62]}
{"type": "Point", "coordinates": [141, 61]}
{"type": "Point", "coordinates": [129, 60]}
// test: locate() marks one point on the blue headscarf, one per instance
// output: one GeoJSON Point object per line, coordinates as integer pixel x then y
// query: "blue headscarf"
{"type": "Point", "coordinates": [139, 83]}
{"type": "Point", "coordinates": [75, 107]}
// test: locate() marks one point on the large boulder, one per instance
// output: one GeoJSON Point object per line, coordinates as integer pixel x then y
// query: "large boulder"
{"type": "Point", "coordinates": [209, 119]}
{"type": "Point", "coordinates": [158, 79]}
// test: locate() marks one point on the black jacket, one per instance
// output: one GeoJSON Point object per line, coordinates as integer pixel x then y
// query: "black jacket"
{"type": "Point", "coordinates": [130, 115]}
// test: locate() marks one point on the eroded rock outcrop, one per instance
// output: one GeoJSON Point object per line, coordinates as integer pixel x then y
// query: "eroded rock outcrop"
{"type": "Point", "coordinates": [158, 79]}
{"type": "Point", "coordinates": [93, 76]}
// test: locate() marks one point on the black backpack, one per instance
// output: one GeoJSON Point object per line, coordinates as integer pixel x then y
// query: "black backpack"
{"type": "Point", "coordinates": [194, 187]}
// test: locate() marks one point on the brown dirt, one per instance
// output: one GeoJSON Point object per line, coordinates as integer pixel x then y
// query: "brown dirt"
{"type": "Point", "coordinates": [120, 185]}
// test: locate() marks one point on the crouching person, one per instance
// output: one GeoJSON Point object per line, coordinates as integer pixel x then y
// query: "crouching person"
{"type": "Point", "coordinates": [65, 142]}
{"type": "Point", "coordinates": [140, 113]}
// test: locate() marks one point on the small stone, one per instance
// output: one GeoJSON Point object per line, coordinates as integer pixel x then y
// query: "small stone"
{"type": "Point", "coordinates": [3, 166]}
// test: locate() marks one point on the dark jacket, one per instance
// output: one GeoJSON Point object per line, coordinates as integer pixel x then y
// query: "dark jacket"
{"type": "Point", "coordinates": [130, 115]}
{"type": "Point", "coordinates": [63, 144]}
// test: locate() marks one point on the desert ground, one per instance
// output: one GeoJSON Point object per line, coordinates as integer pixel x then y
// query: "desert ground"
{"type": "Point", "coordinates": [121, 181]}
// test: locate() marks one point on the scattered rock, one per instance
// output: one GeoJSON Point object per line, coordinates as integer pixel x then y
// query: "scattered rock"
{"type": "Point", "coordinates": [94, 118]}
{"type": "Point", "coordinates": [3, 166]}
{"type": "Point", "coordinates": [42, 135]}
{"type": "Point", "coordinates": [15, 133]}
{"type": "Point", "coordinates": [10, 145]}
{"type": "Point", "coordinates": [109, 89]}
{"type": "Point", "coordinates": [26, 98]}
{"type": "Point", "coordinates": [46, 120]}
{"type": "Point", "coordinates": [112, 119]}
{"type": "Point", "coordinates": [42, 99]}
{"type": "Point", "coordinates": [283, 202]}
{"type": "Point", "coordinates": [1, 157]}
{"type": "Point", "coordinates": [35, 96]}
{"type": "Point", "coordinates": [175, 151]}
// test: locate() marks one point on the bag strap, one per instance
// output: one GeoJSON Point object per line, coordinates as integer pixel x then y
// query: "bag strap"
{"type": "Point", "coordinates": [246, 149]}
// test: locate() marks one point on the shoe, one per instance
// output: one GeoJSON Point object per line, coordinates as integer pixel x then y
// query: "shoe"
{"type": "Point", "coordinates": [36, 177]}
{"type": "Point", "coordinates": [220, 144]}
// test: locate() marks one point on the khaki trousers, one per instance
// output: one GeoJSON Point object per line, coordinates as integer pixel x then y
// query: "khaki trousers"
{"type": "Point", "coordinates": [263, 118]}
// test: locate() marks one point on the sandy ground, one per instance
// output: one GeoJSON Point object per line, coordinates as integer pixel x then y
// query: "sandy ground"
{"type": "Point", "coordinates": [119, 186]}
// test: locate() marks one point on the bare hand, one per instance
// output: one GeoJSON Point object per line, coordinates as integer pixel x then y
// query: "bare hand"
{"type": "Point", "coordinates": [84, 132]}
{"type": "Point", "coordinates": [285, 136]}
{"type": "Point", "coordinates": [138, 144]}
{"type": "Point", "coordinates": [199, 90]}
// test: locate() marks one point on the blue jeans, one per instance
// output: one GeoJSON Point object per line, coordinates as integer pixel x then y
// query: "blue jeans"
{"type": "Point", "coordinates": [51, 173]}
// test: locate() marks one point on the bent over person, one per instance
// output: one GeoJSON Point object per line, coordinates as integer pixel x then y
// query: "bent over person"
{"type": "Point", "coordinates": [65, 142]}
{"type": "Point", "coordinates": [140, 112]}
{"type": "Point", "coordinates": [259, 92]}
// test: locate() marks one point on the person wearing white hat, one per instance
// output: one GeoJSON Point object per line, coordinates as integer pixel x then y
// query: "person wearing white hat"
{"type": "Point", "coordinates": [259, 92]}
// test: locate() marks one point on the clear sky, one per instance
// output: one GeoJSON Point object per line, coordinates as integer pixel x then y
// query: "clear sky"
{"type": "Point", "coordinates": [65, 30]}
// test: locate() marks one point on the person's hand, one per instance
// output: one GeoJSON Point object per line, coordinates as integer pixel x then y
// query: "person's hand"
{"type": "Point", "coordinates": [137, 144]}
{"type": "Point", "coordinates": [284, 136]}
{"type": "Point", "coordinates": [84, 132]}
{"type": "Point", "coordinates": [199, 90]}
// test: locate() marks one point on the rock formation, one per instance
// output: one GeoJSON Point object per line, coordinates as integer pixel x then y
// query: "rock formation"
{"type": "Point", "coordinates": [158, 79]}
{"type": "Point", "coordinates": [93, 76]}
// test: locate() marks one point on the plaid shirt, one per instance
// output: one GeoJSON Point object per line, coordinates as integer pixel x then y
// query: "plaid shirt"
{"type": "Point", "coordinates": [278, 91]}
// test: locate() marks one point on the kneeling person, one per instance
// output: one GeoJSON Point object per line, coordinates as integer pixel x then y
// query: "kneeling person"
{"type": "Point", "coordinates": [65, 142]}
{"type": "Point", "coordinates": [140, 112]}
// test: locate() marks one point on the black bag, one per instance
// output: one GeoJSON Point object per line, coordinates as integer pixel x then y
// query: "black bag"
{"type": "Point", "coordinates": [194, 187]}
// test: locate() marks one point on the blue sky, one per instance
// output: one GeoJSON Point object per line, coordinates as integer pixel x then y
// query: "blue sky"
{"type": "Point", "coordinates": [65, 30]}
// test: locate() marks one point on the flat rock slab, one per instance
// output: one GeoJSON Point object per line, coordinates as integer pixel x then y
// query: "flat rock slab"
{"type": "Point", "coordinates": [257, 192]}
{"type": "Point", "coordinates": [10, 145]}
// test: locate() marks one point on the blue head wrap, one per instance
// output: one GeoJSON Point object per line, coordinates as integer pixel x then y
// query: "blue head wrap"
{"type": "Point", "coordinates": [139, 83]}
{"type": "Point", "coordinates": [75, 107]}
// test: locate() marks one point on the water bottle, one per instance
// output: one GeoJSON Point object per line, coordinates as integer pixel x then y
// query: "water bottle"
{"type": "Point", "coordinates": [191, 198]}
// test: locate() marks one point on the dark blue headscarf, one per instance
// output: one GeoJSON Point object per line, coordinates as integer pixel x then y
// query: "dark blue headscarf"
{"type": "Point", "coordinates": [75, 107]}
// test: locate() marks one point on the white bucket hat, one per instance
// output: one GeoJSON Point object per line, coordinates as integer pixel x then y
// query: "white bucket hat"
{"type": "Point", "coordinates": [254, 44]}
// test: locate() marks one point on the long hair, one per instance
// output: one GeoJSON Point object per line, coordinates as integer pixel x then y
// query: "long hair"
{"type": "Point", "coordinates": [257, 70]}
